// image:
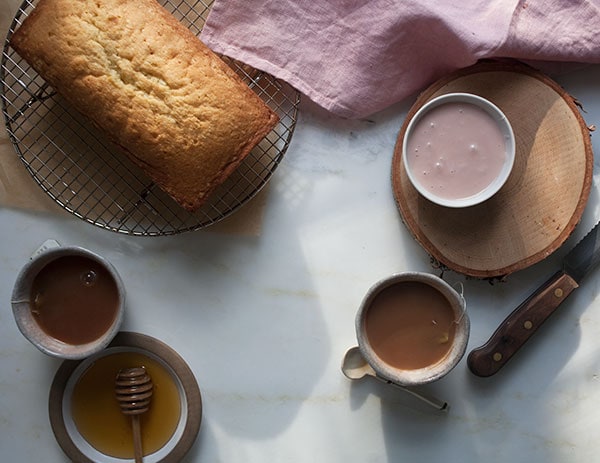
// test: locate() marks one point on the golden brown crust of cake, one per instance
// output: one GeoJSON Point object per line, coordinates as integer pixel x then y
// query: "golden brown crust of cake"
{"type": "Point", "coordinates": [154, 88]}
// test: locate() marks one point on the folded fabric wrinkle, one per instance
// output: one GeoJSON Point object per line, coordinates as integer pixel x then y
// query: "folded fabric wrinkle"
{"type": "Point", "coordinates": [357, 58]}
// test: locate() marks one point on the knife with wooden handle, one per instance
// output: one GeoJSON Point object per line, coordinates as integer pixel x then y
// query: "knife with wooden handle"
{"type": "Point", "coordinates": [525, 320]}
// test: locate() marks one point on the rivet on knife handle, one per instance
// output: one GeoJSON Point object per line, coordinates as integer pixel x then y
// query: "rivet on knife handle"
{"type": "Point", "coordinates": [520, 325]}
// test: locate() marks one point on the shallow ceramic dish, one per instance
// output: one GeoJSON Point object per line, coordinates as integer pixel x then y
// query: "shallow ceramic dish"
{"type": "Point", "coordinates": [484, 192]}
{"type": "Point", "coordinates": [75, 445]}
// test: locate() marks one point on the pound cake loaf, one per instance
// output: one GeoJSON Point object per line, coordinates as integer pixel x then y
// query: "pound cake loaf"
{"type": "Point", "coordinates": [177, 110]}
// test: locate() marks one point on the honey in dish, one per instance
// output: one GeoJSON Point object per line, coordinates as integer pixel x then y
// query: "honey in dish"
{"type": "Point", "coordinates": [99, 419]}
{"type": "Point", "coordinates": [410, 325]}
{"type": "Point", "coordinates": [74, 299]}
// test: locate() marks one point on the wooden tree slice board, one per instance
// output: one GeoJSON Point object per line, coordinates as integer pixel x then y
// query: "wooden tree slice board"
{"type": "Point", "coordinates": [544, 197]}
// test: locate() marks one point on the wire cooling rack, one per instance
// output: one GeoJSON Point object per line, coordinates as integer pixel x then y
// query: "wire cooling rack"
{"type": "Point", "coordinates": [83, 172]}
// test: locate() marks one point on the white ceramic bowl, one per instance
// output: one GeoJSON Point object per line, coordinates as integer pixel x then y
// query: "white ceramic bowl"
{"type": "Point", "coordinates": [487, 190]}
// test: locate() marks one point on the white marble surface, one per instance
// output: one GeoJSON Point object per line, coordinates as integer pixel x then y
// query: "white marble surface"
{"type": "Point", "coordinates": [264, 321]}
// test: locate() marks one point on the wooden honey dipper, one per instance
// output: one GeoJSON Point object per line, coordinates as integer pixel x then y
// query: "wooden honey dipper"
{"type": "Point", "coordinates": [133, 388]}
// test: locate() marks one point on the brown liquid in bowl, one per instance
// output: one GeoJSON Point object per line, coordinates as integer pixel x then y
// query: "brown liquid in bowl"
{"type": "Point", "coordinates": [410, 325]}
{"type": "Point", "coordinates": [74, 299]}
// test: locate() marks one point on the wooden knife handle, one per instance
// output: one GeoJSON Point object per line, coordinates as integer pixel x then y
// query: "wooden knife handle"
{"type": "Point", "coordinates": [520, 325]}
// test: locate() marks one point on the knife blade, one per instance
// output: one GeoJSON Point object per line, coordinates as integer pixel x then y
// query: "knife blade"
{"type": "Point", "coordinates": [525, 320]}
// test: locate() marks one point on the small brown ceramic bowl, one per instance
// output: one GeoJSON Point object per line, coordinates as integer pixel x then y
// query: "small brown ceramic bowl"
{"type": "Point", "coordinates": [27, 321]}
{"type": "Point", "coordinates": [396, 329]}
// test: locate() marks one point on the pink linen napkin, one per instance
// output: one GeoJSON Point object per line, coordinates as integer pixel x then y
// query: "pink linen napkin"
{"type": "Point", "coordinates": [356, 57]}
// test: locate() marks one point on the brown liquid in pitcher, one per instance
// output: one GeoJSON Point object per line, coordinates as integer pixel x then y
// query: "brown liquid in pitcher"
{"type": "Point", "coordinates": [97, 414]}
{"type": "Point", "coordinates": [74, 299]}
{"type": "Point", "coordinates": [410, 325]}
